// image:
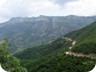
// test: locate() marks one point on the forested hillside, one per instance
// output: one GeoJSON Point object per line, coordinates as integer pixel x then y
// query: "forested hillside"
{"type": "Point", "coordinates": [44, 50]}
{"type": "Point", "coordinates": [86, 39]}
{"type": "Point", "coordinates": [63, 55]}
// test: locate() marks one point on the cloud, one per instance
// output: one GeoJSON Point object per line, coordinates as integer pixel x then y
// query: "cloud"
{"type": "Point", "coordinates": [62, 2]}
{"type": "Point", "coordinates": [25, 8]}
{"type": "Point", "coordinates": [14, 8]}
{"type": "Point", "coordinates": [29, 8]}
{"type": "Point", "coordinates": [81, 7]}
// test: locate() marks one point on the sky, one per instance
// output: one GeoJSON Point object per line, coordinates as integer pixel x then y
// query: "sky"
{"type": "Point", "coordinates": [30, 8]}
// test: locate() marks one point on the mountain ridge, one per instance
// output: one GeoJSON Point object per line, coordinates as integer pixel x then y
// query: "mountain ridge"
{"type": "Point", "coordinates": [27, 32]}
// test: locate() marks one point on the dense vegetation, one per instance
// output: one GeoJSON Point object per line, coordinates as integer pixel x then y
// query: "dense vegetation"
{"type": "Point", "coordinates": [9, 62]}
{"type": "Point", "coordinates": [61, 63]}
{"type": "Point", "coordinates": [87, 46]}
{"type": "Point", "coordinates": [86, 39]}
{"type": "Point", "coordinates": [52, 58]}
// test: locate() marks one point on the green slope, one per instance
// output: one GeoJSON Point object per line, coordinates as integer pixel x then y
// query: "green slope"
{"type": "Point", "coordinates": [52, 57]}
{"type": "Point", "coordinates": [49, 49]}
{"type": "Point", "coordinates": [83, 33]}
{"type": "Point", "coordinates": [86, 39]}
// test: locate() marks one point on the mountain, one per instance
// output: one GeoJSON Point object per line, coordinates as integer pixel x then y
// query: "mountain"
{"type": "Point", "coordinates": [74, 52]}
{"type": "Point", "coordinates": [28, 32]}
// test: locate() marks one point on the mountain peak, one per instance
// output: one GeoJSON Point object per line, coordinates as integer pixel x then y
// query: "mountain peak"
{"type": "Point", "coordinates": [18, 19]}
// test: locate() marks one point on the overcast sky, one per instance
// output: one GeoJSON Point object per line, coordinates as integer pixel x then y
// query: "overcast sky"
{"type": "Point", "coordinates": [29, 8]}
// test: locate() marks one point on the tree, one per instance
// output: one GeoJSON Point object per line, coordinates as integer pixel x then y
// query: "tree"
{"type": "Point", "coordinates": [7, 60]}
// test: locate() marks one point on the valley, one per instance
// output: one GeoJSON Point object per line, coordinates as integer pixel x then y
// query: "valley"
{"type": "Point", "coordinates": [48, 35]}
{"type": "Point", "coordinates": [75, 52]}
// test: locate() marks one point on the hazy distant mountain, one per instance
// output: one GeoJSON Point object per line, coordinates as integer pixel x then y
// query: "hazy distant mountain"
{"type": "Point", "coordinates": [28, 32]}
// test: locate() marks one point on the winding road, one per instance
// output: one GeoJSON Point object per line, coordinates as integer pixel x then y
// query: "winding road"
{"type": "Point", "coordinates": [76, 54]}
